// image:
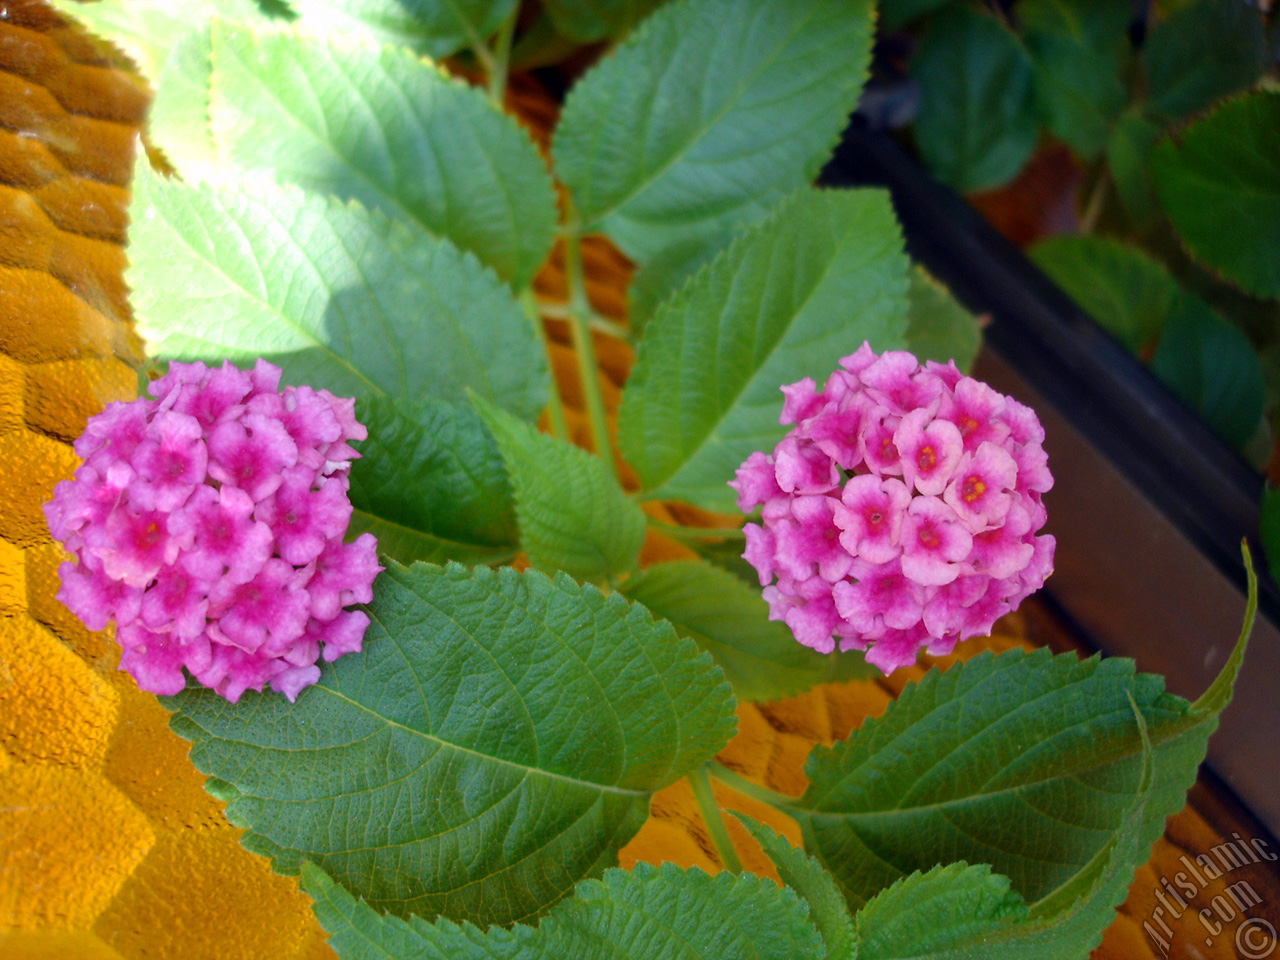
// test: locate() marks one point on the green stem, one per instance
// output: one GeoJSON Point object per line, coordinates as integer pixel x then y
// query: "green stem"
{"type": "Point", "coordinates": [714, 820]}
{"type": "Point", "coordinates": [695, 533]}
{"type": "Point", "coordinates": [1097, 179]}
{"type": "Point", "coordinates": [594, 320]}
{"type": "Point", "coordinates": [500, 58]}
{"type": "Point", "coordinates": [749, 788]}
{"type": "Point", "coordinates": [579, 312]}
{"type": "Point", "coordinates": [555, 406]}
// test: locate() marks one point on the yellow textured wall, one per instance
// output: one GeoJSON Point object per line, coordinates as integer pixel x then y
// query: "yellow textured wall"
{"type": "Point", "coordinates": [109, 847]}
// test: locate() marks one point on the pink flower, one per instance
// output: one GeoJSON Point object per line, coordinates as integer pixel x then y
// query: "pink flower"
{"type": "Point", "coordinates": [981, 488]}
{"type": "Point", "coordinates": [934, 541]}
{"type": "Point", "coordinates": [811, 539]}
{"type": "Point", "coordinates": [870, 517]}
{"type": "Point", "coordinates": [901, 512]}
{"type": "Point", "coordinates": [929, 451]}
{"type": "Point", "coordinates": [208, 523]}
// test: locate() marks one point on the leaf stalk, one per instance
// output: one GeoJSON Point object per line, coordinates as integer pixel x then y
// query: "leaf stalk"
{"type": "Point", "coordinates": [555, 406]}
{"type": "Point", "coordinates": [750, 788]}
{"type": "Point", "coordinates": [579, 312]}
{"type": "Point", "coordinates": [714, 820]}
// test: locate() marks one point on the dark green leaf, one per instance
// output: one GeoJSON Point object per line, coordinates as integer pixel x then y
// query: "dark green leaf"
{"type": "Point", "coordinates": [497, 740]}
{"type": "Point", "coordinates": [1129, 161]}
{"type": "Point", "coordinates": [927, 915]}
{"type": "Point", "coordinates": [707, 114]}
{"type": "Point", "coordinates": [588, 20]}
{"type": "Point", "coordinates": [1212, 366]}
{"type": "Point", "coordinates": [728, 619]}
{"type": "Point", "coordinates": [430, 484]}
{"type": "Point", "coordinates": [338, 296]}
{"type": "Point", "coordinates": [790, 297]}
{"type": "Point", "coordinates": [1078, 49]}
{"type": "Point", "coordinates": [1221, 189]}
{"type": "Point", "coordinates": [379, 125]}
{"type": "Point", "coordinates": [651, 913]}
{"type": "Point", "coordinates": [1203, 51]}
{"type": "Point", "coordinates": [1029, 762]}
{"type": "Point", "coordinates": [804, 875]}
{"type": "Point", "coordinates": [898, 13]}
{"type": "Point", "coordinates": [977, 121]}
{"type": "Point", "coordinates": [573, 514]}
{"type": "Point", "coordinates": [437, 28]}
{"type": "Point", "coordinates": [938, 327]}
{"type": "Point", "coordinates": [1122, 288]}
{"type": "Point", "coordinates": [1270, 529]}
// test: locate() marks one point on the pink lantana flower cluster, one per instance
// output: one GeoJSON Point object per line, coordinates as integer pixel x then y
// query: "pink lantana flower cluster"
{"type": "Point", "coordinates": [900, 512]}
{"type": "Point", "coordinates": [209, 522]}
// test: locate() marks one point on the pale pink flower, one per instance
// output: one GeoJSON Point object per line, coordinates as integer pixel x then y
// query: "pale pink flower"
{"type": "Point", "coordinates": [901, 512]}
{"type": "Point", "coordinates": [208, 523]}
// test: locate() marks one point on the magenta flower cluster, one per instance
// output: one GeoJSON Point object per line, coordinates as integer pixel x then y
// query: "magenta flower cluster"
{"type": "Point", "coordinates": [900, 512]}
{"type": "Point", "coordinates": [209, 522]}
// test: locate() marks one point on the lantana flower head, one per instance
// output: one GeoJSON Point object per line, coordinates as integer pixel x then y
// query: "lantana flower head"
{"type": "Point", "coordinates": [901, 512]}
{"type": "Point", "coordinates": [208, 522]}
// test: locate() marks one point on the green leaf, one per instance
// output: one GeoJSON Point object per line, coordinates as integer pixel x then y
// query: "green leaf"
{"type": "Point", "coordinates": [496, 741]}
{"type": "Point", "coordinates": [895, 14]}
{"type": "Point", "coordinates": [430, 484]}
{"type": "Point", "coordinates": [338, 296]}
{"type": "Point", "coordinates": [1129, 161]}
{"type": "Point", "coordinates": [1126, 291]}
{"type": "Point", "coordinates": [707, 114]}
{"type": "Point", "coordinates": [793, 294]}
{"type": "Point", "coordinates": [1269, 524]}
{"type": "Point", "coordinates": [437, 28]}
{"type": "Point", "coordinates": [930, 914]}
{"type": "Point", "coordinates": [379, 125]}
{"type": "Point", "coordinates": [805, 875]}
{"type": "Point", "coordinates": [573, 514]}
{"type": "Point", "coordinates": [168, 40]}
{"type": "Point", "coordinates": [1078, 50]}
{"type": "Point", "coordinates": [938, 327]}
{"type": "Point", "coordinates": [1213, 367]}
{"type": "Point", "coordinates": [1221, 189]}
{"type": "Point", "coordinates": [1029, 762]}
{"type": "Point", "coordinates": [960, 912]}
{"type": "Point", "coordinates": [146, 31]}
{"type": "Point", "coordinates": [178, 122]}
{"type": "Point", "coordinates": [728, 619]}
{"type": "Point", "coordinates": [977, 121]}
{"type": "Point", "coordinates": [589, 20]}
{"type": "Point", "coordinates": [650, 913]}
{"type": "Point", "coordinates": [660, 277]}
{"type": "Point", "coordinates": [1203, 51]}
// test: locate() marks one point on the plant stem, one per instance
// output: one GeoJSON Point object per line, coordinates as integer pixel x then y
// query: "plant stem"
{"type": "Point", "coordinates": [555, 406]}
{"type": "Point", "coordinates": [695, 533]}
{"type": "Point", "coordinates": [714, 820]}
{"type": "Point", "coordinates": [594, 320]}
{"type": "Point", "coordinates": [579, 312]}
{"type": "Point", "coordinates": [1093, 207]}
{"type": "Point", "coordinates": [747, 787]}
{"type": "Point", "coordinates": [500, 57]}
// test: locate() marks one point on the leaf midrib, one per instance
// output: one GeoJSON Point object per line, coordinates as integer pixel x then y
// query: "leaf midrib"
{"type": "Point", "coordinates": [449, 745]}
{"type": "Point", "coordinates": [1189, 723]}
